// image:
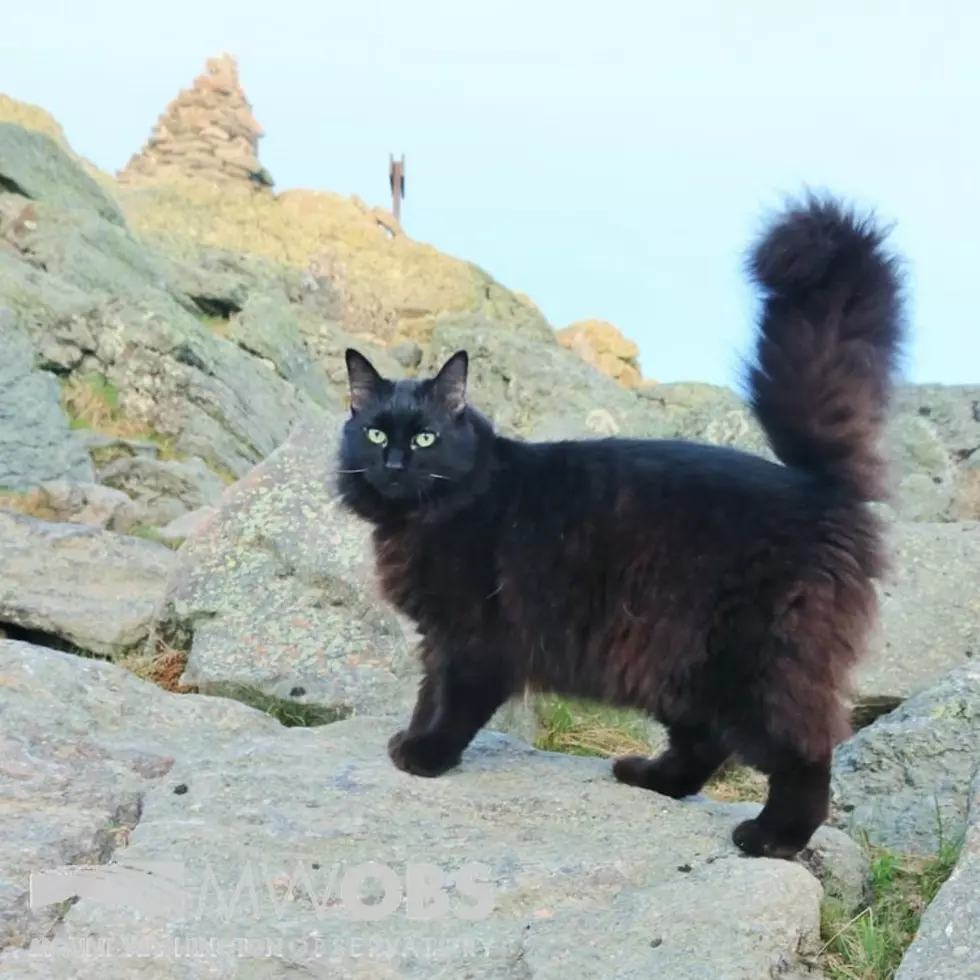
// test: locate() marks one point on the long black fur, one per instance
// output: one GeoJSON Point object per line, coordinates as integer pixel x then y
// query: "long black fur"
{"type": "Point", "coordinates": [726, 595]}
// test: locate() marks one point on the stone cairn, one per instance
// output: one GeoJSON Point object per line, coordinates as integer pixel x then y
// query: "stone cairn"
{"type": "Point", "coordinates": [207, 133]}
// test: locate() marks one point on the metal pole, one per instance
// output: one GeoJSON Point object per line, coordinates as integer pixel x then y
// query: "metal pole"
{"type": "Point", "coordinates": [396, 178]}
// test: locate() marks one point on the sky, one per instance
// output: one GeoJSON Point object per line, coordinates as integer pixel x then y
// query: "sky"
{"type": "Point", "coordinates": [611, 159]}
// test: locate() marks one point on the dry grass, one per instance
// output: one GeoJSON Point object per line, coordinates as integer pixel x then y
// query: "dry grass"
{"type": "Point", "coordinates": [92, 402]}
{"type": "Point", "coordinates": [582, 728]}
{"type": "Point", "coordinates": [966, 506]}
{"type": "Point", "coordinates": [871, 944]}
{"type": "Point", "coordinates": [737, 784]}
{"type": "Point", "coordinates": [163, 668]}
{"type": "Point", "coordinates": [30, 503]}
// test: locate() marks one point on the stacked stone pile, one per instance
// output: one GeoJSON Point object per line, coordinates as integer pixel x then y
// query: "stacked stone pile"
{"type": "Point", "coordinates": [207, 132]}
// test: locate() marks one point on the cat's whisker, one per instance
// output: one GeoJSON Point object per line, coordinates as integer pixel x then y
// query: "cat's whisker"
{"type": "Point", "coordinates": [353, 471]}
{"type": "Point", "coordinates": [439, 476]}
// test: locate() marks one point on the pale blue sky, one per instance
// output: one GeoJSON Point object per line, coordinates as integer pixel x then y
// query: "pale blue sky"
{"type": "Point", "coordinates": [609, 159]}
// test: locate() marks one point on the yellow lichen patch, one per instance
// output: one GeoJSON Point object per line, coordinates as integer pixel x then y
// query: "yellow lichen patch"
{"type": "Point", "coordinates": [600, 344]}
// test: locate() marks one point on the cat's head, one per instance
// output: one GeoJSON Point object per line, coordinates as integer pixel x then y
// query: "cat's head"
{"type": "Point", "coordinates": [412, 441]}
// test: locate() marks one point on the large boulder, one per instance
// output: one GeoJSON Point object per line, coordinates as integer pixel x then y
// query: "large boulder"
{"type": "Point", "coordinates": [75, 584]}
{"type": "Point", "coordinates": [930, 610]}
{"type": "Point", "coordinates": [906, 780]}
{"type": "Point", "coordinates": [231, 846]}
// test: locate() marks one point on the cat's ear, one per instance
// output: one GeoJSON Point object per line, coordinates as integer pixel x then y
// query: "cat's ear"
{"type": "Point", "coordinates": [449, 385]}
{"type": "Point", "coordinates": [365, 382]}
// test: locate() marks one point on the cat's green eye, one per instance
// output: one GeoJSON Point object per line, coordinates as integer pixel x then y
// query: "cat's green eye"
{"type": "Point", "coordinates": [424, 439]}
{"type": "Point", "coordinates": [376, 436]}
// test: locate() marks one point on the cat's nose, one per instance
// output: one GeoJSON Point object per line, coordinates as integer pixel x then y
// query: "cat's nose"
{"type": "Point", "coordinates": [395, 461]}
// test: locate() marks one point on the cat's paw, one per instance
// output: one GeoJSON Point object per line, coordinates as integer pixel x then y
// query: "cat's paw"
{"type": "Point", "coordinates": [633, 770]}
{"type": "Point", "coordinates": [420, 755]}
{"type": "Point", "coordinates": [756, 840]}
{"type": "Point", "coordinates": [644, 773]}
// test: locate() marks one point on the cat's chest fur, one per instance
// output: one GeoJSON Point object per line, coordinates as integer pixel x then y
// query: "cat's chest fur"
{"type": "Point", "coordinates": [396, 558]}
{"type": "Point", "coordinates": [429, 573]}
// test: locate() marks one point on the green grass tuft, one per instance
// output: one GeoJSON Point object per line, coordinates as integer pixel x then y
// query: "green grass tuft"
{"type": "Point", "coordinates": [871, 944]}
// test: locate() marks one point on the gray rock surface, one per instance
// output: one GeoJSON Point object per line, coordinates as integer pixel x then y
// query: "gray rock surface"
{"type": "Point", "coordinates": [86, 503]}
{"type": "Point", "coordinates": [33, 165]}
{"type": "Point", "coordinates": [930, 609]}
{"type": "Point", "coordinates": [101, 767]}
{"type": "Point", "coordinates": [166, 489]}
{"type": "Point", "coordinates": [947, 945]}
{"type": "Point", "coordinates": [268, 328]}
{"type": "Point", "coordinates": [36, 442]}
{"type": "Point", "coordinates": [527, 387]}
{"type": "Point", "coordinates": [906, 779]}
{"type": "Point", "coordinates": [187, 524]}
{"type": "Point", "coordinates": [92, 588]}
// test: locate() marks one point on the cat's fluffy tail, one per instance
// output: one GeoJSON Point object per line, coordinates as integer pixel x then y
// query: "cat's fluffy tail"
{"type": "Point", "coordinates": [830, 336]}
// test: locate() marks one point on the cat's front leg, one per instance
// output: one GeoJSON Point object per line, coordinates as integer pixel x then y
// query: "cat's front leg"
{"type": "Point", "coordinates": [455, 701]}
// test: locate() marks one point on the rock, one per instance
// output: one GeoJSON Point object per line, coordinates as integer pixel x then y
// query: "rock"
{"type": "Point", "coordinates": [700, 412]}
{"type": "Point", "coordinates": [208, 132]}
{"type": "Point", "coordinates": [925, 473]}
{"type": "Point", "coordinates": [104, 449]}
{"type": "Point", "coordinates": [83, 503]}
{"type": "Point", "coordinates": [173, 376]}
{"type": "Point", "coordinates": [841, 864]}
{"type": "Point", "coordinates": [953, 411]}
{"type": "Point", "coordinates": [311, 348]}
{"type": "Point", "coordinates": [166, 489]}
{"type": "Point", "coordinates": [528, 388]}
{"type": "Point", "coordinates": [187, 524]}
{"type": "Point", "coordinates": [937, 482]}
{"type": "Point", "coordinates": [601, 345]}
{"type": "Point", "coordinates": [268, 328]}
{"type": "Point", "coordinates": [35, 166]}
{"type": "Point", "coordinates": [93, 589]}
{"type": "Point", "coordinates": [36, 443]}
{"type": "Point", "coordinates": [930, 610]}
{"type": "Point", "coordinates": [113, 770]}
{"type": "Point", "coordinates": [906, 779]}
{"type": "Point", "coordinates": [408, 354]}
{"type": "Point", "coordinates": [75, 764]}
{"type": "Point", "coordinates": [948, 940]}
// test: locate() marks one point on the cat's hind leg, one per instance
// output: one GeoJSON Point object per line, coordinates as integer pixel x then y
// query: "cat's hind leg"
{"type": "Point", "coordinates": [799, 718]}
{"type": "Point", "coordinates": [797, 804]}
{"type": "Point", "coordinates": [691, 758]}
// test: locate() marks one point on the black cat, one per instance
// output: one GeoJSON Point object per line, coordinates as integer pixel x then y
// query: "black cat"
{"type": "Point", "coordinates": [725, 595]}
